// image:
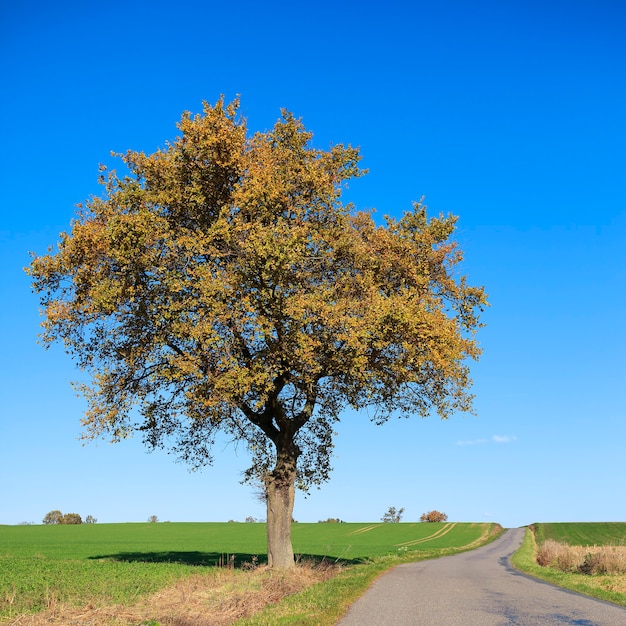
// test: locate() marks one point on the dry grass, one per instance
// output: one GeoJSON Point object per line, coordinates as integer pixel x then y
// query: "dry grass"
{"type": "Point", "coordinates": [218, 598]}
{"type": "Point", "coordinates": [582, 559]}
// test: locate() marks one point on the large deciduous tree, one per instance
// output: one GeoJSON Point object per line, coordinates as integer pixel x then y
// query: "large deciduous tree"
{"type": "Point", "coordinates": [220, 284]}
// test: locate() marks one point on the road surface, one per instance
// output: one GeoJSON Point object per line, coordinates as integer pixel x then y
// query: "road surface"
{"type": "Point", "coordinates": [477, 588]}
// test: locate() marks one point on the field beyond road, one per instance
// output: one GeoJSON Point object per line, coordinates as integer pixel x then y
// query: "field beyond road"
{"type": "Point", "coordinates": [97, 565]}
{"type": "Point", "coordinates": [582, 533]}
{"type": "Point", "coordinates": [586, 557]}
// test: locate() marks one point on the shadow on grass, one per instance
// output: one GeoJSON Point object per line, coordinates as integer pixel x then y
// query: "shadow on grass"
{"type": "Point", "coordinates": [211, 559]}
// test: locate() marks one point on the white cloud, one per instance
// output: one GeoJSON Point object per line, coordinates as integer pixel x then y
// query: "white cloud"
{"type": "Point", "coordinates": [494, 439]}
{"type": "Point", "coordinates": [503, 438]}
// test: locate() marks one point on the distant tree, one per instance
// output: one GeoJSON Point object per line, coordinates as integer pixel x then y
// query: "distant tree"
{"type": "Point", "coordinates": [221, 284]}
{"type": "Point", "coordinates": [331, 520]}
{"type": "Point", "coordinates": [393, 515]}
{"type": "Point", "coordinates": [54, 517]}
{"type": "Point", "coordinates": [71, 518]}
{"type": "Point", "coordinates": [434, 516]}
{"type": "Point", "coordinates": [250, 519]}
{"type": "Point", "coordinates": [153, 519]}
{"type": "Point", "coordinates": [90, 519]}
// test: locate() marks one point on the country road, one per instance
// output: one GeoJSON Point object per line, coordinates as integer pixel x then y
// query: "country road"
{"type": "Point", "coordinates": [477, 588]}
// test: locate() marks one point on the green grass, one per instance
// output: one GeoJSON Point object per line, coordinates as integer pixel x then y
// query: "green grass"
{"type": "Point", "coordinates": [193, 544]}
{"type": "Point", "coordinates": [32, 584]}
{"type": "Point", "coordinates": [206, 543]}
{"type": "Point", "coordinates": [583, 533]}
{"type": "Point", "coordinates": [605, 587]}
{"type": "Point", "coordinates": [117, 563]}
{"type": "Point", "coordinates": [358, 542]}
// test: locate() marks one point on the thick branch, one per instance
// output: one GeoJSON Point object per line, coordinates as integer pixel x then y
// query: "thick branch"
{"type": "Point", "coordinates": [262, 420]}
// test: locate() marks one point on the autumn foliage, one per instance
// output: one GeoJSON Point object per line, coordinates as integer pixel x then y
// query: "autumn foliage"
{"type": "Point", "coordinates": [434, 516]}
{"type": "Point", "coordinates": [222, 285]}
{"type": "Point", "coordinates": [56, 517]}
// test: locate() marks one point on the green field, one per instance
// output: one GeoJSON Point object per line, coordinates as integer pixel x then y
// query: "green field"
{"type": "Point", "coordinates": [583, 533]}
{"type": "Point", "coordinates": [610, 587]}
{"type": "Point", "coordinates": [207, 543]}
{"type": "Point", "coordinates": [117, 563]}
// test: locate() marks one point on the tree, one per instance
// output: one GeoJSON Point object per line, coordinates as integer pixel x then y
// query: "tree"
{"type": "Point", "coordinates": [434, 516]}
{"type": "Point", "coordinates": [53, 517]}
{"type": "Point", "coordinates": [392, 515]}
{"type": "Point", "coordinates": [221, 285]}
{"type": "Point", "coordinates": [90, 519]}
{"type": "Point", "coordinates": [71, 518]}
{"type": "Point", "coordinates": [153, 519]}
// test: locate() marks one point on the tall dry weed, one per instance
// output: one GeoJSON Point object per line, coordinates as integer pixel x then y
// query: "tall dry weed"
{"type": "Point", "coordinates": [582, 559]}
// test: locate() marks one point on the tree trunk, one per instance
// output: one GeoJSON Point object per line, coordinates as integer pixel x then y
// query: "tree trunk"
{"type": "Point", "coordinates": [280, 491]}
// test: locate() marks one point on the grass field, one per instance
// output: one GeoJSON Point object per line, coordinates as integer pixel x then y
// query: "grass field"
{"type": "Point", "coordinates": [100, 564]}
{"type": "Point", "coordinates": [583, 533]}
{"type": "Point", "coordinates": [609, 587]}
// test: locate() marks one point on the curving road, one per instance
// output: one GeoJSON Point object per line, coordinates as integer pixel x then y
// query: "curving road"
{"type": "Point", "coordinates": [477, 588]}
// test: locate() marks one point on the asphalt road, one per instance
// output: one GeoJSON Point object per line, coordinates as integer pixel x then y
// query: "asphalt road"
{"type": "Point", "coordinates": [477, 588]}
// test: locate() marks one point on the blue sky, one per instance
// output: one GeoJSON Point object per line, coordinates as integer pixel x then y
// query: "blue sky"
{"type": "Point", "coordinates": [510, 115]}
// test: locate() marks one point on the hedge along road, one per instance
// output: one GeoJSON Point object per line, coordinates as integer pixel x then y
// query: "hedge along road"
{"type": "Point", "coordinates": [477, 588]}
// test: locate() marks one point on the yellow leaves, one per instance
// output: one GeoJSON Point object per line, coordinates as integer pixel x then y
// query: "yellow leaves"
{"type": "Point", "coordinates": [224, 276]}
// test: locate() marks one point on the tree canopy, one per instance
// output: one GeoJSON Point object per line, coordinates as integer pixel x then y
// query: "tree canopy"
{"type": "Point", "coordinates": [53, 517]}
{"type": "Point", "coordinates": [434, 516]}
{"type": "Point", "coordinates": [56, 517]}
{"type": "Point", "coordinates": [221, 284]}
{"type": "Point", "coordinates": [393, 515]}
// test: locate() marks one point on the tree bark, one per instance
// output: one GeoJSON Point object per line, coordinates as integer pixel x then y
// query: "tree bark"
{"type": "Point", "coordinates": [280, 491]}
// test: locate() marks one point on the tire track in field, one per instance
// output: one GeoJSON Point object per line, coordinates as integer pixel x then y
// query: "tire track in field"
{"type": "Point", "coordinates": [436, 535]}
{"type": "Point", "coordinates": [363, 530]}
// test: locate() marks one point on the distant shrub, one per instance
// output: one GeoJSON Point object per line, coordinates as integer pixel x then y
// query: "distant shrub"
{"type": "Point", "coordinates": [331, 520]}
{"type": "Point", "coordinates": [434, 516]}
{"type": "Point", "coordinates": [392, 515]}
{"type": "Point", "coordinates": [54, 517]}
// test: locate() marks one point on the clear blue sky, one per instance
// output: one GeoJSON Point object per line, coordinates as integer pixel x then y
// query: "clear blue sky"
{"type": "Point", "coordinates": [511, 115]}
